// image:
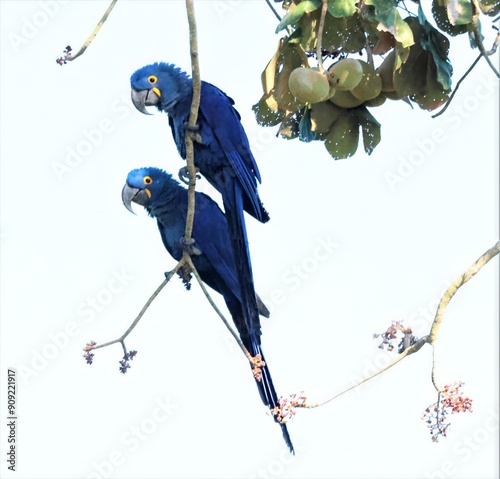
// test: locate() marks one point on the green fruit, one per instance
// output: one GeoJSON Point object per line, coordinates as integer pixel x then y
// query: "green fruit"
{"type": "Point", "coordinates": [377, 101]}
{"type": "Point", "coordinates": [392, 95]}
{"type": "Point", "coordinates": [370, 85]}
{"type": "Point", "coordinates": [308, 85]}
{"type": "Point", "coordinates": [346, 73]}
{"type": "Point", "coordinates": [345, 99]}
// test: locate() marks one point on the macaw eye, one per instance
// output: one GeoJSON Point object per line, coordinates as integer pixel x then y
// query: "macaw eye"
{"type": "Point", "coordinates": [152, 79]}
{"type": "Point", "coordinates": [148, 180]}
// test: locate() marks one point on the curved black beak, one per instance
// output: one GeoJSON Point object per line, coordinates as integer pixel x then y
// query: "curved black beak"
{"type": "Point", "coordinates": [142, 99]}
{"type": "Point", "coordinates": [136, 195]}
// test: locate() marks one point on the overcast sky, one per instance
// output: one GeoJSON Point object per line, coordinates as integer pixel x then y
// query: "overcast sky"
{"type": "Point", "coordinates": [351, 246]}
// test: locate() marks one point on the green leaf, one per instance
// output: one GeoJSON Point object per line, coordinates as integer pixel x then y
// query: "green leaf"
{"type": "Point", "coordinates": [417, 77]}
{"type": "Point", "coordinates": [440, 14]}
{"type": "Point", "coordinates": [370, 128]}
{"type": "Point", "coordinates": [459, 11]}
{"type": "Point", "coordinates": [277, 102]}
{"type": "Point", "coordinates": [342, 8]}
{"type": "Point", "coordinates": [438, 45]}
{"type": "Point", "coordinates": [294, 14]}
{"type": "Point", "coordinates": [291, 57]}
{"type": "Point", "coordinates": [323, 115]}
{"type": "Point", "coordinates": [342, 141]}
{"type": "Point", "coordinates": [343, 34]}
{"type": "Point", "coordinates": [490, 7]}
{"type": "Point", "coordinates": [289, 128]}
{"type": "Point", "coordinates": [387, 14]}
{"type": "Point", "coordinates": [266, 116]}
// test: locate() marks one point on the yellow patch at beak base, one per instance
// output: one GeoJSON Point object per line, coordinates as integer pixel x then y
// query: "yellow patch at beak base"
{"type": "Point", "coordinates": [157, 91]}
{"type": "Point", "coordinates": [148, 192]}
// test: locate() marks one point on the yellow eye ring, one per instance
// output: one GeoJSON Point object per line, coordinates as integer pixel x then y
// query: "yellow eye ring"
{"type": "Point", "coordinates": [152, 79]}
{"type": "Point", "coordinates": [147, 180]}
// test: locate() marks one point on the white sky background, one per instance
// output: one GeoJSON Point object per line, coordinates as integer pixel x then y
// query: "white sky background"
{"type": "Point", "coordinates": [396, 249]}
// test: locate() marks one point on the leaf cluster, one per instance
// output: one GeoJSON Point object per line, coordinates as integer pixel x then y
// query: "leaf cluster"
{"type": "Point", "coordinates": [406, 54]}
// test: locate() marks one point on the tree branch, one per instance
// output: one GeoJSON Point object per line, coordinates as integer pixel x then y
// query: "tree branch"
{"type": "Point", "coordinates": [449, 293]}
{"type": "Point", "coordinates": [431, 337]}
{"type": "Point", "coordinates": [121, 339]}
{"type": "Point", "coordinates": [477, 36]}
{"type": "Point", "coordinates": [70, 58]}
{"type": "Point", "coordinates": [193, 117]}
{"type": "Point", "coordinates": [447, 104]}
{"type": "Point", "coordinates": [189, 262]}
{"type": "Point", "coordinates": [404, 354]}
{"type": "Point", "coordinates": [319, 42]}
{"type": "Point", "coordinates": [276, 14]}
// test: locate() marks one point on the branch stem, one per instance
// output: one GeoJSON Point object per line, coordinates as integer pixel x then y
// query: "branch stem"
{"type": "Point", "coordinates": [449, 293]}
{"type": "Point", "coordinates": [193, 118]}
{"type": "Point", "coordinates": [93, 34]}
{"type": "Point", "coordinates": [121, 339]}
{"type": "Point", "coordinates": [189, 262]}
{"type": "Point", "coordinates": [319, 42]}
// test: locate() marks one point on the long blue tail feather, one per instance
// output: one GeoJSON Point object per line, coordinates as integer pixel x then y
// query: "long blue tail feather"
{"type": "Point", "coordinates": [233, 204]}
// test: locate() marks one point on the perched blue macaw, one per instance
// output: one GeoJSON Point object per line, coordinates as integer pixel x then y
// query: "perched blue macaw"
{"type": "Point", "coordinates": [167, 201]}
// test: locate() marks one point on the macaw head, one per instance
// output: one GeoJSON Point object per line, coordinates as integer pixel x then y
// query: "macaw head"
{"type": "Point", "coordinates": [146, 187]}
{"type": "Point", "coordinates": [160, 84]}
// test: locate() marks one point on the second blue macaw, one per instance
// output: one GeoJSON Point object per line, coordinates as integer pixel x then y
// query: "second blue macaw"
{"type": "Point", "coordinates": [166, 200]}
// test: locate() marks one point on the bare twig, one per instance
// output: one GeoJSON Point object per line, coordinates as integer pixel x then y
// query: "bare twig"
{"type": "Point", "coordinates": [431, 337]}
{"type": "Point", "coordinates": [449, 293]}
{"type": "Point", "coordinates": [447, 104]}
{"type": "Point", "coordinates": [474, 63]}
{"type": "Point", "coordinates": [494, 47]}
{"type": "Point", "coordinates": [477, 37]}
{"type": "Point", "coordinates": [189, 262]}
{"type": "Point", "coordinates": [94, 33]}
{"type": "Point", "coordinates": [276, 14]}
{"type": "Point", "coordinates": [121, 339]}
{"type": "Point", "coordinates": [404, 354]}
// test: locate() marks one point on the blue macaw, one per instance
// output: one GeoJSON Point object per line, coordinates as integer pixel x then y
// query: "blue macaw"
{"type": "Point", "coordinates": [166, 200]}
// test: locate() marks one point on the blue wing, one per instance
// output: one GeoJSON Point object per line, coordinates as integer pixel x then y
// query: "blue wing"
{"type": "Point", "coordinates": [221, 121]}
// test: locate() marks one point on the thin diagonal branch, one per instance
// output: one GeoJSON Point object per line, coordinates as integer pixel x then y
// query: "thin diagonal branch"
{"type": "Point", "coordinates": [70, 58]}
{"type": "Point", "coordinates": [276, 14]}
{"type": "Point", "coordinates": [412, 349]}
{"type": "Point", "coordinates": [447, 104]}
{"type": "Point", "coordinates": [189, 262]}
{"type": "Point", "coordinates": [477, 37]}
{"type": "Point", "coordinates": [432, 336]}
{"type": "Point", "coordinates": [449, 293]}
{"type": "Point", "coordinates": [121, 339]}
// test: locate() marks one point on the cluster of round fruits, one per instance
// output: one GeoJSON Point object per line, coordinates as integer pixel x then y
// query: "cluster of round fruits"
{"type": "Point", "coordinates": [348, 83]}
